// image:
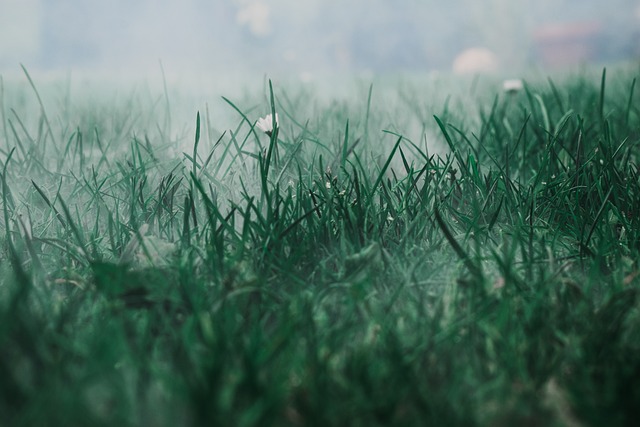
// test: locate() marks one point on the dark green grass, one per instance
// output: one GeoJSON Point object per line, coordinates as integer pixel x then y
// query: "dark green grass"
{"type": "Point", "coordinates": [372, 262]}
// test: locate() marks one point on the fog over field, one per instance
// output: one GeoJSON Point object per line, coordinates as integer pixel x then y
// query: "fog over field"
{"type": "Point", "coordinates": [306, 39]}
{"type": "Point", "coordinates": [319, 212]}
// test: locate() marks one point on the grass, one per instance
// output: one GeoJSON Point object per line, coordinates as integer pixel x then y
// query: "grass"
{"type": "Point", "coordinates": [399, 257]}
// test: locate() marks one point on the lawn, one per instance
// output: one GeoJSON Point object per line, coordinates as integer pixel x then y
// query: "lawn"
{"type": "Point", "coordinates": [419, 251]}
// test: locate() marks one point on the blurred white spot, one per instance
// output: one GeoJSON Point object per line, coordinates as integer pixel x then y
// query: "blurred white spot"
{"type": "Point", "coordinates": [475, 60]}
{"type": "Point", "coordinates": [512, 85]}
{"type": "Point", "coordinates": [256, 16]}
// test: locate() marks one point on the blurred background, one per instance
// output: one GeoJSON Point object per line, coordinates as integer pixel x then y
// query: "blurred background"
{"type": "Point", "coordinates": [307, 38]}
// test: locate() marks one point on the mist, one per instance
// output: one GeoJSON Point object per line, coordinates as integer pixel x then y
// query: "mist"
{"type": "Point", "coordinates": [306, 40]}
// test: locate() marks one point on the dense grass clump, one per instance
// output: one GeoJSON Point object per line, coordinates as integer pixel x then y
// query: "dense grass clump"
{"type": "Point", "coordinates": [391, 260]}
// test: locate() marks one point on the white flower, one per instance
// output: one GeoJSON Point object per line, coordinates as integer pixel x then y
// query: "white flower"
{"type": "Point", "coordinates": [266, 124]}
{"type": "Point", "coordinates": [512, 85]}
{"type": "Point", "coordinates": [476, 60]}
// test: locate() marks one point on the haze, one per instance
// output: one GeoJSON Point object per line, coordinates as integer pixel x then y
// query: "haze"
{"type": "Point", "coordinates": [311, 37]}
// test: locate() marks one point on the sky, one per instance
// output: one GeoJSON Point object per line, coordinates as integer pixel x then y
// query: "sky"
{"type": "Point", "coordinates": [307, 38]}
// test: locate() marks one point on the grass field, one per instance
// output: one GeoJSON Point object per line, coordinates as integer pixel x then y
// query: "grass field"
{"type": "Point", "coordinates": [417, 252]}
